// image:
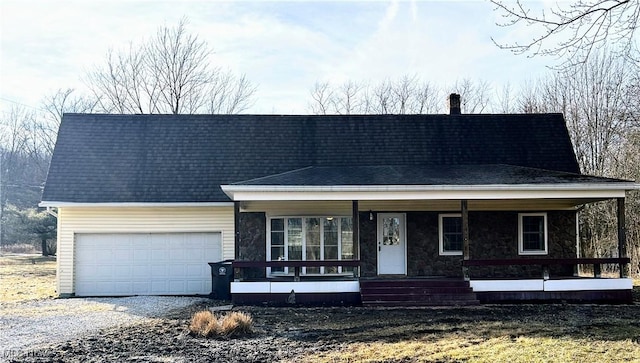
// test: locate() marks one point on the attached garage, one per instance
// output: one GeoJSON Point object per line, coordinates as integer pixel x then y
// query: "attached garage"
{"type": "Point", "coordinates": [116, 264]}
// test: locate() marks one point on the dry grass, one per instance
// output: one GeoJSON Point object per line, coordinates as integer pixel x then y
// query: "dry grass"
{"type": "Point", "coordinates": [206, 324]}
{"type": "Point", "coordinates": [19, 248]}
{"type": "Point", "coordinates": [461, 348]}
{"type": "Point", "coordinates": [27, 277]}
{"type": "Point", "coordinates": [499, 333]}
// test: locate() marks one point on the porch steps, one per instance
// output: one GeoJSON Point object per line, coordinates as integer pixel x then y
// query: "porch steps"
{"type": "Point", "coordinates": [417, 292]}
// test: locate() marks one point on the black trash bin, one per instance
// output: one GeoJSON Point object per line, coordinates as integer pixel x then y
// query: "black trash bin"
{"type": "Point", "coordinates": [221, 277]}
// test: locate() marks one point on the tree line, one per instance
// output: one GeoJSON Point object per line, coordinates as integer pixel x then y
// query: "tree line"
{"type": "Point", "coordinates": [170, 72]}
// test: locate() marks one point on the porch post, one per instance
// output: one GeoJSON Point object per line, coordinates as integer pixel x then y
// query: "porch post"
{"type": "Point", "coordinates": [622, 236]}
{"type": "Point", "coordinates": [465, 236]}
{"type": "Point", "coordinates": [356, 233]}
{"type": "Point", "coordinates": [236, 229]}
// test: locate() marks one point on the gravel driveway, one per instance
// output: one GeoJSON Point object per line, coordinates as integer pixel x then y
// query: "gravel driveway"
{"type": "Point", "coordinates": [26, 325]}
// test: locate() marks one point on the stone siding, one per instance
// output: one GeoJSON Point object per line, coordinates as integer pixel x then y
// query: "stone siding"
{"type": "Point", "coordinates": [368, 245]}
{"type": "Point", "coordinates": [252, 244]}
{"type": "Point", "coordinates": [492, 235]}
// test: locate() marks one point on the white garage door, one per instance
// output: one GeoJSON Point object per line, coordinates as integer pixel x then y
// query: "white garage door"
{"type": "Point", "coordinates": [145, 263]}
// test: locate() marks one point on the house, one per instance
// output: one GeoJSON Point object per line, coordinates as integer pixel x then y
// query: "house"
{"type": "Point", "coordinates": [387, 209]}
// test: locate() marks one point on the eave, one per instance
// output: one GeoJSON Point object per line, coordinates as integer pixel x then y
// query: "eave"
{"type": "Point", "coordinates": [586, 191]}
{"type": "Point", "coordinates": [57, 204]}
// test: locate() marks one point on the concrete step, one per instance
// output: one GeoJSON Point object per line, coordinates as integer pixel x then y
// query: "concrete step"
{"type": "Point", "coordinates": [416, 292]}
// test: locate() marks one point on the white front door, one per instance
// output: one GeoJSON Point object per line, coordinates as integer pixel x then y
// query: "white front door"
{"type": "Point", "coordinates": [391, 244]}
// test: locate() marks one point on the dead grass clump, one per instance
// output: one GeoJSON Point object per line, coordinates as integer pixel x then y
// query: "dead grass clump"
{"type": "Point", "coordinates": [236, 323]}
{"type": "Point", "coordinates": [206, 324]}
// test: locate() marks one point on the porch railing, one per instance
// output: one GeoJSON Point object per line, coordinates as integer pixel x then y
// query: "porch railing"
{"type": "Point", "coordinates": [546, 262]}
{"type": "Point", "coordinates": [298, 265]}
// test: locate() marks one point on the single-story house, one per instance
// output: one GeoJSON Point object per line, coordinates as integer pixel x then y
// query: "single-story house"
{"type": "Point", "coordinates": [379, 209]}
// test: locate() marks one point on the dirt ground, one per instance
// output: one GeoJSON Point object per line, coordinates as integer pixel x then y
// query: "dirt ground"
{"type": "Point", "coordinates": [490, 333]}
{"type": "Point", "coordinates": [315, 334]}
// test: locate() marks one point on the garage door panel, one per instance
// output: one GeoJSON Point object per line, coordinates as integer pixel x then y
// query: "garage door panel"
{"type": "Point", "coordinates": [145, 264]}
{"type": "Point", "coordinates": [193, 270]}
{"type": "Point", "coordinates": [122, 273]}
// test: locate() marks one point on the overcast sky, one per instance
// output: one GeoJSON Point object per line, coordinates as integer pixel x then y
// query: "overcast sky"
{"type": "Point", "coordinates": [282, 46]}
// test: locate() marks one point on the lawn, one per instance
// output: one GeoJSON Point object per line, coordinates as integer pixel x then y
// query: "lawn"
{"type": "Point", "coordinates": [493, 333]}
{"type": "Point", "coordinates": [508, 333]}
{"type": "Point", "coordinates": [26, 277]}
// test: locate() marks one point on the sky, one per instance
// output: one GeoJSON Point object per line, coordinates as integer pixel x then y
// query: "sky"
{"type": "Point", "coordinates": [284, 47]}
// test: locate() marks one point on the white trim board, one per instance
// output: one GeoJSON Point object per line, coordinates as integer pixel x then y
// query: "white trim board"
{"type": "Point", "coordinates": [428, 192]}
{"type": "Point", "coordinates": [45, 203]}
{"type": "Point", "coordinates": [588, 284]}
{"type": "Point", "coordinates": [551, 285]}
{"type": "Point", "coordinates": [285, 287]}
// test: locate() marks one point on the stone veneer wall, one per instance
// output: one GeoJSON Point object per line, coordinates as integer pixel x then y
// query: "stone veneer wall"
{"type": "Point", "coordinates": [492, 235]}
{"type": "Point", "coordinates": [252, 244]}
{"type": "Point", "coordinates": [368, 245]}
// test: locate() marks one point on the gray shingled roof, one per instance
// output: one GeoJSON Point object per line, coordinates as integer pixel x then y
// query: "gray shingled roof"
{"type": "Point", "coordinates": [185, 158]}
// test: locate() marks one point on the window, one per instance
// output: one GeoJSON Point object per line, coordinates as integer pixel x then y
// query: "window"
{"type": "Point", "coordinates": [532, 233]}
{"type": "Point", "coordinates": [277, 242]}
{"type": "Point", "coordinates": [450, 236]}
{"type": "Point", "coordinates": [311, 239]}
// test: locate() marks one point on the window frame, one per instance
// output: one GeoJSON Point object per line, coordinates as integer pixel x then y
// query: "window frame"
{"type": "Point", "coordinates": [441, 250]}
{"type": "Point", "coordinates": [521, 250]}
{"type": "Point", "coordinates": [304, 218]}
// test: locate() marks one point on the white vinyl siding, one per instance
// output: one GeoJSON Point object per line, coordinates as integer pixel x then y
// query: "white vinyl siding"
{"type": "Point", "coordinates": [78, 220]}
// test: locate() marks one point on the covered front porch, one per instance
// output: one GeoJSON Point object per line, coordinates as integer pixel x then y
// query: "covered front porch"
{"type": "Point", "coordinates": [496, 242]}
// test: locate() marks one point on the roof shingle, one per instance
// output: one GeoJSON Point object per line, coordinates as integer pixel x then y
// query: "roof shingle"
{"type": "Point", "coordinates": [185, 158]}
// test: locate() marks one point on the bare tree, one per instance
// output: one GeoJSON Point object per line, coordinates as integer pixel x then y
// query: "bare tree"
{"type": "Point", "coordinates": [505, 100]}
{"type": "Point", "coordinates": [573, 31]}
{"type": "Point", "coordinates": [13, 143]}
{"type": "Point", "coordinates": [169, 73]}
{"type": "Point", "coordinates": [407, 95]}
{"type": "Point", "coordinates": [62, 101]}
{"type": "Point", "coordinates": [322, 94]}
{"type": "Point", "coordinates": [475, 95]}
{"type": "Point", "coordinates": [597, 100]}
{"type": "Point", "coordinates": [629, 166]}
{"type": "Point", "coordinates": [594, 99]}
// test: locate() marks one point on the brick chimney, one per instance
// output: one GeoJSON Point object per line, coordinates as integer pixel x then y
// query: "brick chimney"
{"type": "Point", "coordinates": [454, 104]}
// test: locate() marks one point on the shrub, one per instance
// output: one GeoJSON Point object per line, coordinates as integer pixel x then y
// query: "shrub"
{"type": "Point", "coordinates": [19, 248]}
{"type": "Point", "coordinates": [236, 323]}
{"type": "Point", "coordinates": [206, 324]}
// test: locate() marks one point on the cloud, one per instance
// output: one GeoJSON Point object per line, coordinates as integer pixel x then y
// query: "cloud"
{"type": "Point", "coordinates": [284, 47]}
